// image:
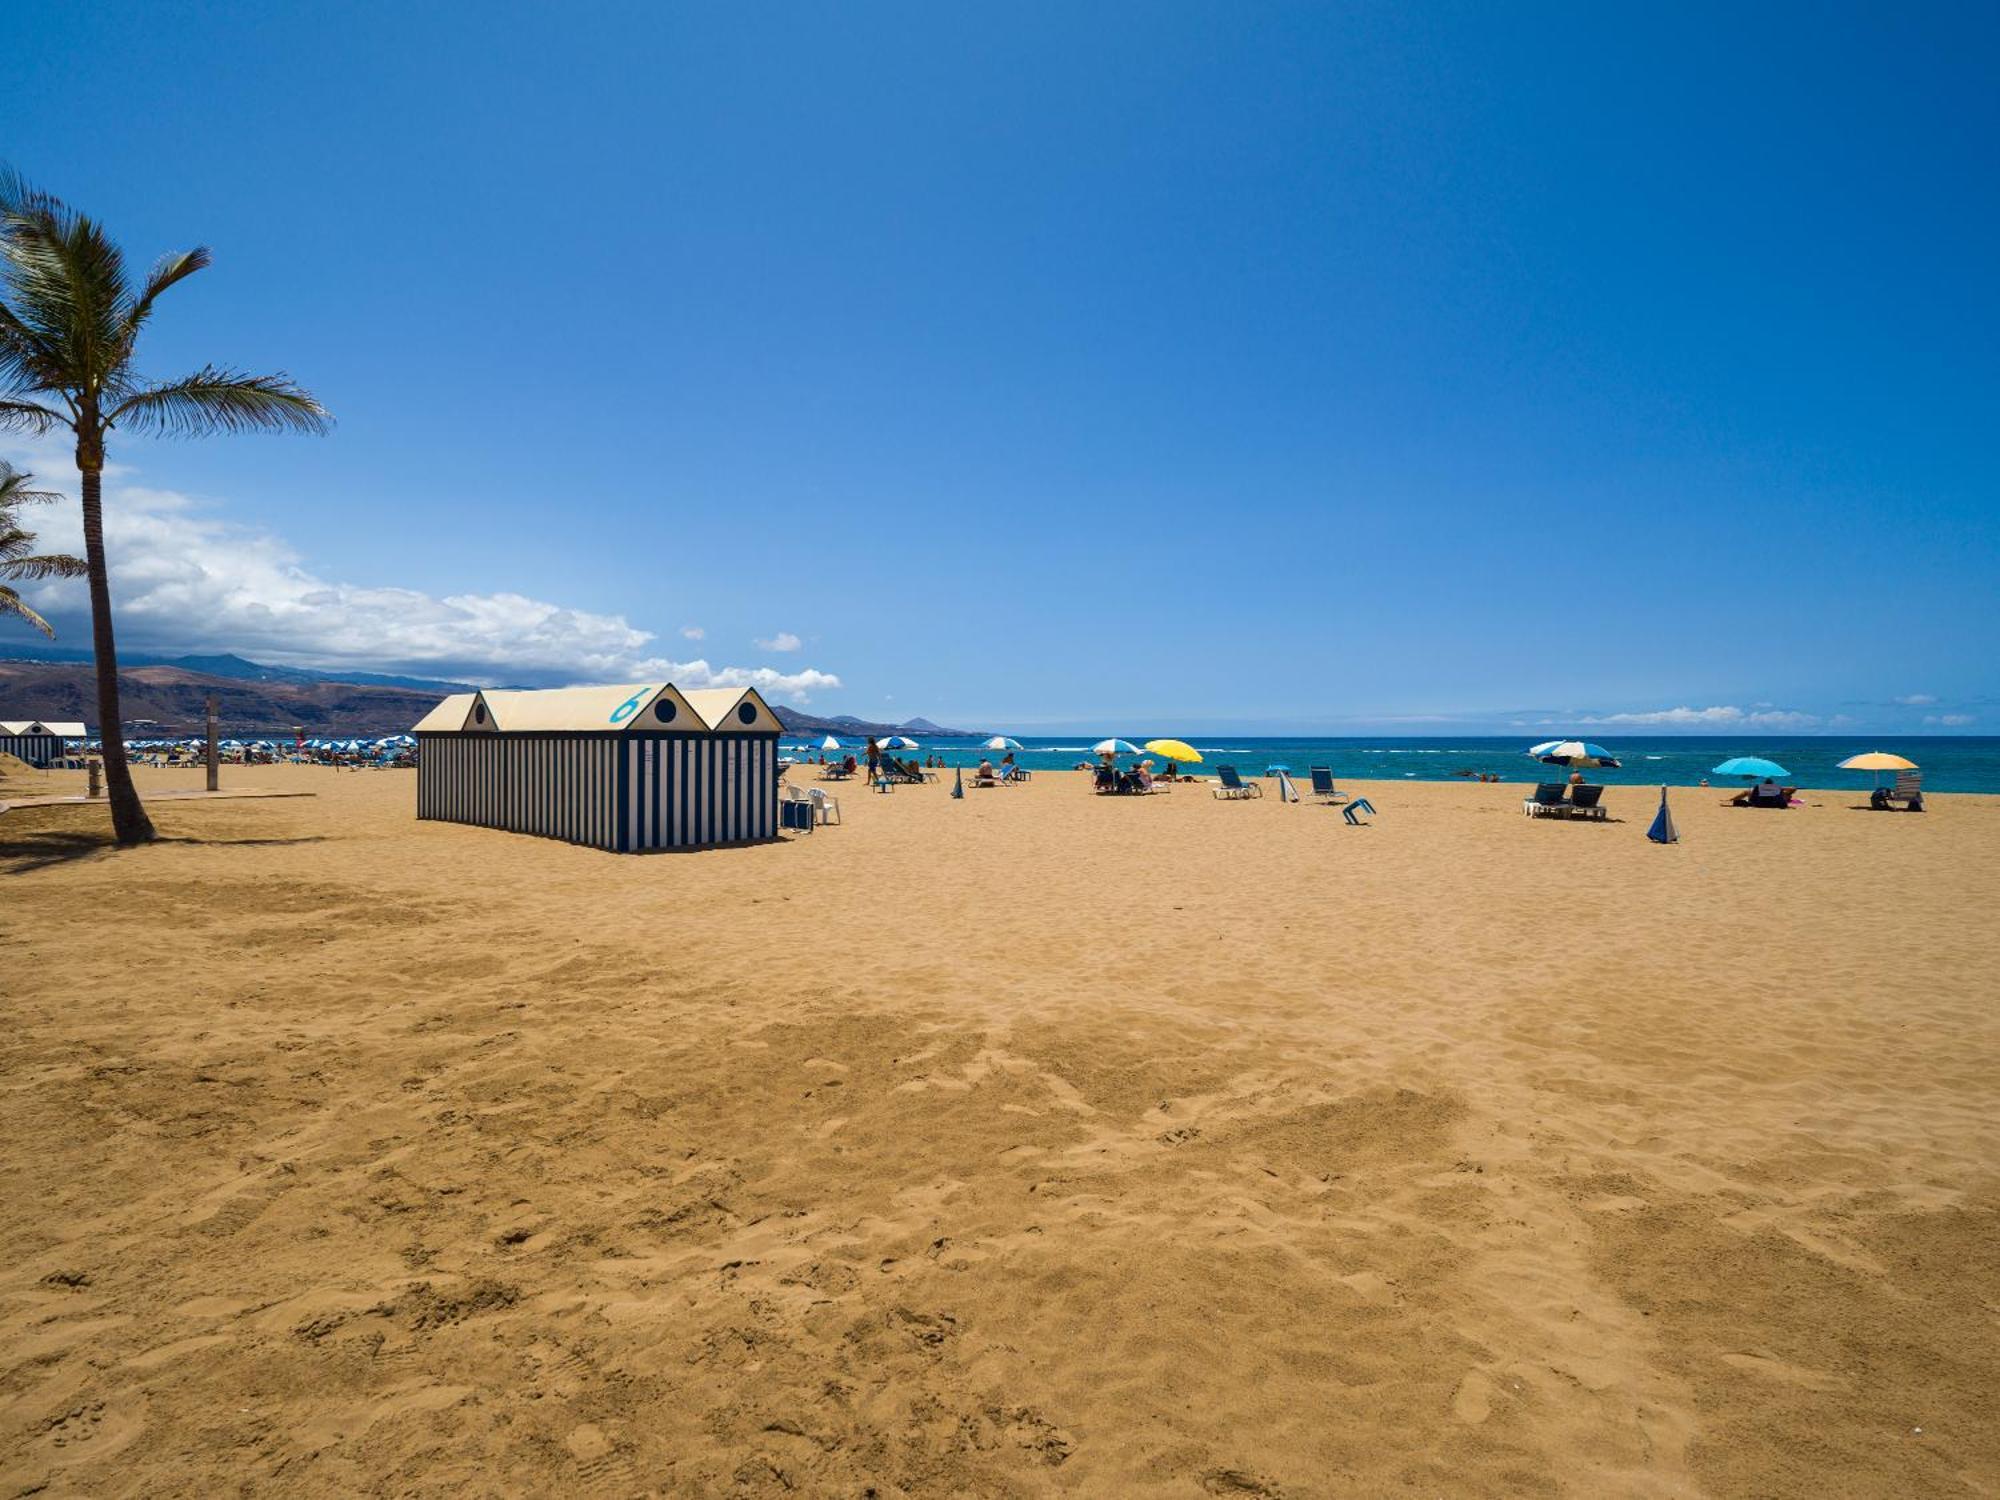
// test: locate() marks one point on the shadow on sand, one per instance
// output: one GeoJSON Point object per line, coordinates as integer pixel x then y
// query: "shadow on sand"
{"type": "Point", "coordinates": [24, 853]}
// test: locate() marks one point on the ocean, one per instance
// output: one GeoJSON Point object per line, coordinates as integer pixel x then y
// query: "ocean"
{"type": "Point", "coordinates": [1951, 763]}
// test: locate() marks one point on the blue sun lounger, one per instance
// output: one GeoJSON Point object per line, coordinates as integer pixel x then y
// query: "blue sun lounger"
{"type": "Point", "coordinates": [1233, 787]}
{"type": "Point", "coordinates": [1323, 788]}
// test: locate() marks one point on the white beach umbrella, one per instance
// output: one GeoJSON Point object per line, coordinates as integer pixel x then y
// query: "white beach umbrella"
{"type": "Point", "coordinates": [1001, 742]}
{"type": "Point", "coordinates": [829, 743]}
{"type": "Point", "coordinates": [1114, 747]}
{"type": "Point", "coordinates": [898, 742]}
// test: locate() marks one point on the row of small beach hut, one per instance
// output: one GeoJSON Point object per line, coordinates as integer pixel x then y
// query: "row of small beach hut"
{"type": "Point", "coordinates": [39, 742]}
{"type": "Point", "coordinates": [626, 768]}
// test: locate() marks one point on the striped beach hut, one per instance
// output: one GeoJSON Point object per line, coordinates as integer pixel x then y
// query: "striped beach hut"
{"type": "Point", "coordinates": [628, 768]}
{"type": "Point", "coordinates": [38, 741]}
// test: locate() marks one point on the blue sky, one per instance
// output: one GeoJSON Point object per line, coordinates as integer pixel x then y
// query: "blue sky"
{"type": "Point", "coordinates": [1283, 368]}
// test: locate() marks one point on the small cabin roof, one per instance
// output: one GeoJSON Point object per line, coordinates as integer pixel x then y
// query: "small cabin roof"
{"type": "Point", "coordinates": [448, 715]}
{"type": "Point", "coordinates": [627, 705]}
{"type": "Point", "coordinates": [69, 729]}
{"type": "Point", "coordinates": [717, 707]}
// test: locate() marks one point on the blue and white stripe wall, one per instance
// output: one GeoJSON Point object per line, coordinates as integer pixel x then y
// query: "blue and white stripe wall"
{"type": "Point", "coordinates": [38, 741]}
{"type": "Point", "coordinates": [626, 768]}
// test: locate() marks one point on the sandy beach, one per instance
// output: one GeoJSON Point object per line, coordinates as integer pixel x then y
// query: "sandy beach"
{"type": "Point", "coordinates": [1036, 1144]}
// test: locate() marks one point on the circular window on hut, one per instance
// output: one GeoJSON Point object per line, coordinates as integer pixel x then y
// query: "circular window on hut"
{"type": "Point", "coordinates": [479, 713]}
{"type": "Point", "coordinates": [747, 712]}
{"type": "Point", "coordinates": [665, 710]}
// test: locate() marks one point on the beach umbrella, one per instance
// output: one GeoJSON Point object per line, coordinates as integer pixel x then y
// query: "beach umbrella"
{"type": "Point", "coordinates": [1663, 830]}
{"type": "Point", "coordinates": [1001, 742]}
{"type": "Point", "coordinates": [1178, 750]}
{"type": "Point", "coordinates": [957, 782]}
{"type": "Point", "coordinates": [1114, 747]}
{"type": "Point", "coordinates": [829, 743]}
{"type": "Point", "coordinates": [1878, 761]}
{"type": "Point", "coordinates": [1573, 753]}
{"type": "Point", "coordinates": [898, 742]}
{"type": "Point", "coordinates": [1751, 767]}
{"type": "Point", "coordinates": [1274, 769]}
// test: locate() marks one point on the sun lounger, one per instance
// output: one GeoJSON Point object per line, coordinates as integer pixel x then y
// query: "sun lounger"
{"type": "Point", "coordinates": [1584, 803]}
{"type": "Point", "coordinates": [1909, 790]}
{"type": "Point", "coordinates": [1547, 801]}
{"type": "Point", "coordinates": [1232, 787]}
{"type": "Point", "coordinates": [1353, 809]}
{"type": "Point", "coordinates": [1323, 788]}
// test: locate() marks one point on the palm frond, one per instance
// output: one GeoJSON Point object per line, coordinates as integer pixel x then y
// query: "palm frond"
{"type": "Point", "coordinates": [28, 416]}
{"type": "Point", "coordinates": [65, 284]}
{"type": "Point", "coordinates": [16, 488]}
{"type": "Point", "coordinates": [46, 565]}
{"type": "Point", "coordinates": [12, 603]}
{"type": "Point", "coordinates": [166, 271]}
{"type": "Point", "coordinates": [217, 400]}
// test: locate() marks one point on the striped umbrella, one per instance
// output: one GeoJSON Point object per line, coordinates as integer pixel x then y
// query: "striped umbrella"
{"type": "Point", "coordinates": [1572, 753]}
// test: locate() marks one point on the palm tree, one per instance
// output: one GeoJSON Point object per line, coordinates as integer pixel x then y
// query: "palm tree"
{"type": "Point", "coordinates": [16, 561]}
{"type": "Point", "coordinates": [69, 321]}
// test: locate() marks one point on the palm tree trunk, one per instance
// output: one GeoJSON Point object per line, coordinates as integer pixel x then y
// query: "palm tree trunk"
{"type": "Point", "coordinates": [129, 823]}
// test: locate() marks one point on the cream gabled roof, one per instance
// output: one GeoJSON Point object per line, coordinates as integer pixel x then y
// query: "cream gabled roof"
{"type": "Point", "coordinates": [717, 707]}
{"type": "Point", "coordinates": [448, 715]}
{"type": "Point", "coordinates": [69, 729]}
{"type": "Point", "coordinates": [638, 706]}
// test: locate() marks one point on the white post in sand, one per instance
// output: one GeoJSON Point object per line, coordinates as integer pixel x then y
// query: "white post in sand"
{"type": "Point", "coordinates": [214, 759]}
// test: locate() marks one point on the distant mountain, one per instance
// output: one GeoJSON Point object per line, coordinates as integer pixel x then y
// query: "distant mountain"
{"type": "Point", "coordinates": [232, 666]}
{"type": "Point", "coordinates": [167, 702]}
{"type": "Point", "coordinates": [797, 721]}
{"type": "Point", "coordinates": [168, 694]}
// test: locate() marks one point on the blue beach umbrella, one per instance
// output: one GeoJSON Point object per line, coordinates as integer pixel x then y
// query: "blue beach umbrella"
{"type": "Point", "coordinates": [1751, 767]}
{"type": "Point", "coordinates": [1001, 742]}
{"type": "Point", "coordinates": [898, 742]}
{"type": "Point", "coordinates": [1116, 747]}
{"type": "Point", "coordinates": [1572, 753]}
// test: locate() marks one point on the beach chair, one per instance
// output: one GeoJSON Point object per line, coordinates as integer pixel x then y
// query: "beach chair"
{"type": "Point", "coordinates": [795, 809]}
{"type": "Point", "coordinates": [1584, 803]}
{"type": "Point", "coordinates": [1908, 790]}
{"type": "Point", "coordinates": [1352, 811]}
{"type": "Point", "coordinates": [826, 807]}
{"type": "Point", "coordinates": [1232, 787]}
{"type": "Point", "coordinates": [1547, 801]}
{"type": "Point", "coordinates": [1323, 788]}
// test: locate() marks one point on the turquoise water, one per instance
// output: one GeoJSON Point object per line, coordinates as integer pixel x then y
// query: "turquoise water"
{"type": "Point", "coordinates": [1951, 763]}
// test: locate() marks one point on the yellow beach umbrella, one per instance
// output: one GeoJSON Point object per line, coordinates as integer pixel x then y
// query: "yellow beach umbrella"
{"type": "Point", "coordinates": [1877, 760]}
{"type": "Point", "coordinates": [1175, 750]}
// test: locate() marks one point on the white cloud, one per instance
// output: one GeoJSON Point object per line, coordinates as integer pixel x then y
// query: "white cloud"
{"type": "Point", "coordinates": [1917, 700]}
{"type": "Point", "coordinates": [185, 580]}
{"type": "Point", "coordinates": [694, 632]}
{"type": "Point", "coordinates": [1726, 716]}
{"type": "Point", "coordinates": [1950, 721]}
{"type": "Point", "coordinates": [784, 640]}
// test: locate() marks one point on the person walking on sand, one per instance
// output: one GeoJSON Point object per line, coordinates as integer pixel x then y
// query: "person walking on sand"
{"type": "Point", "coordinates": [874, 758]}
